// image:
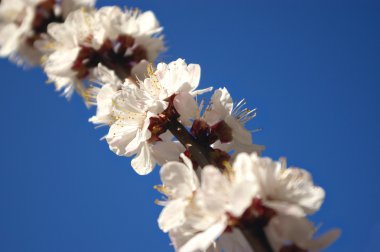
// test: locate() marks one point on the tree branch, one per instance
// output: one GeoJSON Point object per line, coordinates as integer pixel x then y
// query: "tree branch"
{"type": "Point", "coordinates": [120, 71]}
{"type": "Point", "coordinates": [200, 153]}
{"type": "Point", "coordinates": [257, 239]}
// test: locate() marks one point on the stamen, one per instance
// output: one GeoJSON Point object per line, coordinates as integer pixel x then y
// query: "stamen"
{"type": "Point", "coordinates": [160, 202]}
{"type": "Point", "coordinates": [229, 170]}
{"type": "Point", "coordinates": [243, 114]}
{"type": "Point", "coordinates": [283, 163]}
{"type": "Point", "coordinates": [240, 104]}
{"type": "Point", "coordinates": [200, 108]}
{"type": "Point", "coordinates": [257, 130]}
{"type": "Point", "coordinates": [162, 189]}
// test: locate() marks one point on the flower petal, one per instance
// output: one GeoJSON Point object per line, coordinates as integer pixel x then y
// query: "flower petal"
{"type": "Point", "coordinates": [241, 197]}
{"type": "Point", "coordinates": [283, 228]}
{"type": "Point", "coordinates": [179, 179]}
{"type": "Point", "coordinates": [173, 215]}
{"type": "Point", "coordinates": [203, 240]}
{"type": "Point", "coordinates": [234, 241]}
{"type": "Point", "coordinates": [164, 152]}
{"type": "Point", "coordinates": [186, 106]}
{"type": "Point", "coordinates": [143, 163]}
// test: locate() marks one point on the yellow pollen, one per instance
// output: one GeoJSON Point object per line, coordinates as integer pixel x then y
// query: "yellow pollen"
{"type": "Point", "coordinates": [136, 12]}
{"type": "Point", "coordinates": [44, 59]}
{"type": "Point", "coordinates": [228, 171]}
{"type": "Point", "coordinates": [152, 76]}
{"type": "Point", "coordinates": [86, 17]}
{"type": "Point", "coordinates": [162, 189]}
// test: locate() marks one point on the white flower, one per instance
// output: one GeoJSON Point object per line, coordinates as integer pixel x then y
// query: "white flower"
{"type": "Point", "coordinates": [131, 110]}
{"type": "Point", "coordinates": [118, 40]}
{"type": "Point", "coordinates": [199, 214]}
{"type": "Point", "coordinates": [16, 19]}
{"type": "Point", "coordinates": [129, 133]}
{"type": "Point", "coordinates": [24, 22]}
{"type": "Point", "coordinates": [286, 190]}
{"type": "Point", "coordinates": [194, 214]}
{"type": "Point", "coordinates": [229, 120]}
{"type": "Point", "coordinates": [176, 78]}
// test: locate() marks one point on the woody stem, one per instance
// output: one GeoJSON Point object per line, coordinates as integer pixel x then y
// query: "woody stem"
{"type": "Point", "coordinates": [200, 153]}
{"type": "Point", "coordinates": [257, 239]}
{"type": "Point", "coordinates": [119, 70]}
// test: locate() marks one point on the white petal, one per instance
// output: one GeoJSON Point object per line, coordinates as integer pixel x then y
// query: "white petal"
{"type": "Point", "coordinates": [296, 186]}
{"type": "Point", "coordinates": [180, 179]}
{"type": "Point", "coordinates": [164, 152]}
{"type": "Point", "coordinates": [264, 169]}
{"type": "Point", "coordinates": [58, 67]}
{"type": "Point", "coordinates": [234, 242]}
{"type": "Point", "coordinates": [148, 23]}
{"type": "Point", "coordinates": [71, 5]}
{"type": "Point", "coordinates": [61, 62]}
{"type": "Point", "coordinates": [222, 102]}
{"type": "Point", "coordinates": [120, 134]}
{"type": "Point", "coordinates": [201, 91]}
{"type": "Point", "coordinates": [300, 231]}
{"type": "Point", "coordinates": [243, 168]}
{"type": "Point", "coordinates": [9, 40]}
{"type": "Point", "coordinates": [61, 33]}
{"type": "Point", "coordinates": [12, 36]}
{"type": "Point", "coordinates": [284, 207]}
{"type": "Point", "coordinates": [187, 161]}
{"type": "Point", "coordinates": [240, 135]}
{"type": "Point", "coordinates": [251, 148]}
{"type": "Point", "coordinates": [106, 76]}
{"type": "Point", "coordinates": [194, 71]}
{"type": "Point", "coordinates": [203, 240]}
{"type": "Point", "coordinates": [186, 106]}
{"type": "Point", "coordinates": [173, 214]}
{"type": "Point", "coordinates": [104, 102]}
{"type": "Point", "coordinates": [139, 71]}
{"type": "Point", "coordinates": [177, 76]}
{"type": "Point", "coordinates": [324, 240]}
{"type": "Point", "coordinates": [180, 236]}
{"type": "Point", "coordinates": [138, 141]}
{"type": "Point", "coordinates": [143, 163]}
{"type": "Point", "coordinates": [241, 197]}
{"type": "Point", "coordinates": [212, 116]}
{"type": "Point", "coordinates": [215, 191]}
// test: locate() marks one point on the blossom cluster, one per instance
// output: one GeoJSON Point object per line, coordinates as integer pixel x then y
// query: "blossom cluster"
{"type": "Point", "coordinates": [25, 22]}
{"type": "Point", "coordinates": [119, 40]}
{"type": "Point", "coordinates": [219, 193]}
{"type": "Point", "coordinates": [255, 195]}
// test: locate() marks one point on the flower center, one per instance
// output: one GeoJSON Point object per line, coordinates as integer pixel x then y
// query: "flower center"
{"type": "Point", "coordinates": [159, 125]}
{"type": "Point", "coordinates": [120, 55]}
{"type": "Point", "coordinates": [255, 216]}
{"type": "Point", "coordinates": [44, 15]}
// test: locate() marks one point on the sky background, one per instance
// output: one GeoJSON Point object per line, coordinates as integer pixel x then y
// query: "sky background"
{"type": "Point", "coordinates": [310, 67]}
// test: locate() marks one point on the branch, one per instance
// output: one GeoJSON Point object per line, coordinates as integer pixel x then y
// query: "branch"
{"type": "Point", "coordinates": [119, 70]}
{"type": "Point", "coordinates": [199, 152]}
{"type": "Point", "coordinates": [257, 239]}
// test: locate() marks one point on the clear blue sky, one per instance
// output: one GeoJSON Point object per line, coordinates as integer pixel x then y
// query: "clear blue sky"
{"type": "Point", "coordinates": [312, 69]}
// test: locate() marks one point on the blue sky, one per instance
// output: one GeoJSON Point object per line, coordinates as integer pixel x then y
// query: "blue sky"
{"type": "Point", "coordinates": [310, 67]}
